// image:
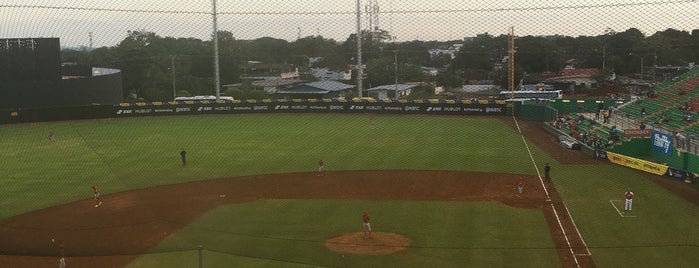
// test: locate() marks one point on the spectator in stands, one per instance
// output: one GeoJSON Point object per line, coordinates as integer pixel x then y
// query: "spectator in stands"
{"type": "Point", "coordinates": [683, 107]}
{"type": "Point", "coordinates": [613, 138]}
{"type": "Point", "coordinates": [605, 116]}
{"type": "Point", "coordinates": [681, 139]}
{"type": "Point", "coordinates": [643, 110]}
{"type": "Point", "coordinates": [665, 119]}
{"type": "Point", "coordinates": [643, 125]}
{"type": "Point", "coordinates": [613, 131]}
{"type": "Point", "coordinates": [651, 94]}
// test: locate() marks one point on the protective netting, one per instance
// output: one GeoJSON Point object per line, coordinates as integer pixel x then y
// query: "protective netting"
{"type": "Point", "coordinates": [109, 21]}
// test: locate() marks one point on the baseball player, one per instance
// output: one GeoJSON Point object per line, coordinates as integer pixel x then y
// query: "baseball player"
{"type": "Point", "coordinates": [321, 166]}
{"type": "Point", "coordinates": [98, 202]}
{"type": "Point", "coordinates": [183, 155]}
{"type": "Point", "coordinates": [629, 200]}
{"type": "Point", "coordinates": [62, 262]}
{"type": "Point", "coordinates": [547, 173]}
{"type": "Point", "coordinates": [52, 136]}
{"type": "Point", "coordinates": [520, 185]}
{"type": "Point", "coordinates": [366, 224]}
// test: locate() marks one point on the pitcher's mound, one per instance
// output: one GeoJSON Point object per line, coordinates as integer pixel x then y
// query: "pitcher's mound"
{"type": "Point", "coordinates": [379, 243]}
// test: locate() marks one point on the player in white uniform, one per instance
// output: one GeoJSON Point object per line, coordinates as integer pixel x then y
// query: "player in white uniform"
{"type": "Point", "coordinates": [629, 200]}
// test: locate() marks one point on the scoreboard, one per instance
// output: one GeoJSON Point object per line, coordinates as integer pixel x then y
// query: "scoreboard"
{"type": "Point", "coordinates": [30, 59]}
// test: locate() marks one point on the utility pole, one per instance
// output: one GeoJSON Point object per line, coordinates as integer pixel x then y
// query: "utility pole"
{"type": "Point", "coordinates": [217, 74]}
{"type": "Point", "coordinates": [511, 61]}
{"type": "Point", "coordinates": [172, 67]}
{"type": "Point", "coordinates": [360, 70]}
{"type": "Point", "coordinates": [395, 70]}
{"type": "Point", "coordinates": [604, 56]}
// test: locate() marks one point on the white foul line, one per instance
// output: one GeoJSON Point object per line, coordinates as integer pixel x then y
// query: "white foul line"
{"type": "Point", "coordinates": [576, 229]}
{"type": "Point", "coordinates": [548, 198]}
{"type": "Point", "coordinates": [618, 211]}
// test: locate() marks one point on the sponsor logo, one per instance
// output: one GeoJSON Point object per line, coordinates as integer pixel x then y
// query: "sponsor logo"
{"type": "Point", "coordinates": [143, 111]}
{"type": "Point", "coordinates": [662, 142]}
{"type": "Point", "coordinates": [634, 132]}
{"type": "Point", "coordinates": [124, 111]}
{"type": "Point", "coordinates": [242, 108]}
{"type": "Point", "coordinates": [411, 108]}
{"type": "Point", "coordinates": [356, 107]}
{"type": "Point", "coordinates": [164, 110]}
{"type": "Point", "coordinates": [299, 107]}
{"type": "Point", "coordinates": [452, 109]}
{"type": "Point", "coordinates": [493, 110]}
{"type": "Point", "coordinates": [260, 108]}
{"type": "Point", "coordinates": [469, 109]}
{"type": "Point", "coordinates": [223, 108]}
{"type": "Point", "coordinates": [183, 109]}
{"type": "Point", "coordinates": [392, 108]}
{"type": "Point", "coordinates": [204, 108]}
{"type": "Point", "coordinates": [374, 108]}
{"type": "Point", "coordinates": [315, 107]}
{"type": "Point", "coordinates": [336, 107]}
{"type": "Point", "coordinates": [434, 109]}
{"type": "Point", "coordinates": [281, 107]}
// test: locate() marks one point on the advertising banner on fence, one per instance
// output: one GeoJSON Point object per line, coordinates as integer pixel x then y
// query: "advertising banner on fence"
{"type": "Point", "coordinates": [636, 133]}
{"type": "Point", "coordinates": [635, 163]}
{"type": "Point", "coordinates": [661, 142]}
{"type": "Point", "coordinates": [312, 107]}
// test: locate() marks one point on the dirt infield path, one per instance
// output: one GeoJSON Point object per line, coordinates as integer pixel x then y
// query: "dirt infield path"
{"type": "Point", "coordinates": [131, 223]}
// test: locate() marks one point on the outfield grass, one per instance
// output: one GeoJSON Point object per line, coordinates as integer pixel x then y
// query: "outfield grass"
{"type": "Point", "coordinates": [291, 233]}
{"type": "Point", "coordinates": [121, 155]}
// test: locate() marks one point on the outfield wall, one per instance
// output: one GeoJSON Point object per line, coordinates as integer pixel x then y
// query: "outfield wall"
{"type": "Point", "coordinates": [251, 106]}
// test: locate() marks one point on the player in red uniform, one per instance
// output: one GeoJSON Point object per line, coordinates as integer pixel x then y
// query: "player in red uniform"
{"type": "Point", "coordinates": [98, 202]}
{"type": "Point", "coordinates": [366, 224]}
{"type": "Point", "coordinates": [520, 185]}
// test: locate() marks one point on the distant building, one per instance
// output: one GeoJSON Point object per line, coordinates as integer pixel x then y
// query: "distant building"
{"type": "Point", "coordinates": [451, 51]}
{"type": "Point", "coordinates": [578, 77]}
{"type": "Point", "coordinates": [394, 91]}
{"type": "Point", "coordinates": [315, 90]}
{"type": "Point", "coordinates": [327, 74]}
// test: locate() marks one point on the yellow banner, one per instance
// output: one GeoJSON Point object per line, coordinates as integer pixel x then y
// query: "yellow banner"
{"type": "Point", "coordinates": [640, 164]}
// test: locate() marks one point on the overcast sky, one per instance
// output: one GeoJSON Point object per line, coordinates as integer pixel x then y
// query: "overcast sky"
{"type": "Point", "coordinates": [109, 21]}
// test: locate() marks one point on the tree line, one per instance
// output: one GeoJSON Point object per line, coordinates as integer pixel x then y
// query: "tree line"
{"type": "Point", "coordinates": [146, 59]}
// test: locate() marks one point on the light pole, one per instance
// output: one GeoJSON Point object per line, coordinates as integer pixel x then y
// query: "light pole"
{"type": "Point", "coordinates": [172, 67]}
{"type": "Point", "coordinates": [217, 72]}
{"type": "Point", "coordinates": [360, 71]}
{"type": "Point", "coordinates": [395, 70]}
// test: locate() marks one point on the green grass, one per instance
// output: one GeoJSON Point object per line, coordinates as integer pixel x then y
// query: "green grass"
{"type": "Point", "coordinates": [120, 155]}
{"type": "Point", "coordinates": [127, 154]}
{"type": "Point", "coordinates": [291, 233]}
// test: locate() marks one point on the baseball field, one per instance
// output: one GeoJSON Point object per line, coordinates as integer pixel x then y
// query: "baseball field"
{"type": "Point", "coordinates": [441, 192]}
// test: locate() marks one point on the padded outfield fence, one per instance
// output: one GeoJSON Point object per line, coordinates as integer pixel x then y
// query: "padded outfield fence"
{"type": "Point", "coordinates": [427, 107]}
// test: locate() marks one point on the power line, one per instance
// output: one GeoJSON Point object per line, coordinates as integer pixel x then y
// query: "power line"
{"type": "Point", "coordinates": [352, 12]}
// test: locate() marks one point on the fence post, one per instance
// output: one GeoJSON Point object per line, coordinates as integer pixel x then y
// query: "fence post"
{"type": "Point", "coordinates": [201, 258]}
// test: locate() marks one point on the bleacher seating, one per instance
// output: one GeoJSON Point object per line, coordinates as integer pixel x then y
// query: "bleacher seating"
{"type": "Point", "coordinates": [669, 97]}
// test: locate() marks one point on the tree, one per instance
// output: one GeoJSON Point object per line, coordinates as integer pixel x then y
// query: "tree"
{"type": "Point", "coordinates": [538, 54]}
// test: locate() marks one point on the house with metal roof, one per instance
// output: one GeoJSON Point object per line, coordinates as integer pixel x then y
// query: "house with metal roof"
{"type": "Point", "coordinates": [315, 90]}
{"type": "Point", "coordinates": [394, 91]}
